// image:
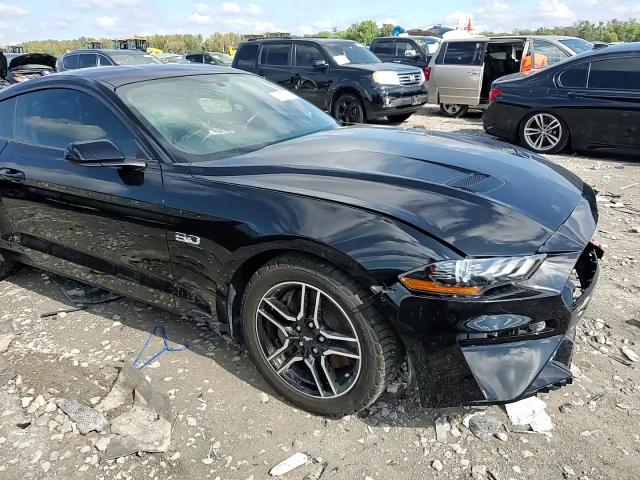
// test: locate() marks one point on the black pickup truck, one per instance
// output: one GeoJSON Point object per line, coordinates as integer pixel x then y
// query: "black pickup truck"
{"type": "Point", "coordinates": [341, 76]}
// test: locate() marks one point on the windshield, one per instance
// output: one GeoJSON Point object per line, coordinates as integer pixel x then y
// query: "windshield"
{"type": "Point", "coordinates": [350, 52]}
{"type": "Point", "coordinates": [204, 117]}
{"type": "Point", "coordinates": [578, 45]}
{"type": "Point", "coordinates": [222, 58]}
{"type": "Point", "coordinates": [124, 58]}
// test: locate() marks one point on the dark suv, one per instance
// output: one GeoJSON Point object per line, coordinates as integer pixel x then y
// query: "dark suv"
{"type": "Point", "coordinates": [341, 76]}
{"type": "Point", "coordinates": [211, 58]}
{"type": "Point", "coordinates": [414, 50]}
{"type": "Point", "coordinates": [103, 57]}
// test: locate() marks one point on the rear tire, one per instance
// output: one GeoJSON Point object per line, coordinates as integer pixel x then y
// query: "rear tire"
{"type": "Point", "coordinates": [335, 383]}
{"type": "Point", "coordinates": [453, 110]}
{"type": "Point", "coordinates": [544, 132]}
{"type": "Point", "coordinates": [349, 109]}
{"type": "Point", "coordinates": [399, 118]}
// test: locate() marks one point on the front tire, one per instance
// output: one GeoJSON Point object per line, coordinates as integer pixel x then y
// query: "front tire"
{"type": "Point", "coordinates": [453, 110]}
{"type": "Point", "coordinates": [349, 109]}
{"type": "Point", "coordinates": [314, 334]}
{"type": "Point", "coordinates": [399, 118]}
{"type": "Point", "coordinates": [544, 132]}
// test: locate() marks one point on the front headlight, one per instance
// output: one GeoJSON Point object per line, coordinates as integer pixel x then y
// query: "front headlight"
{"type": "Point", "coordinates": [471, 276]}
{"type": "Point", "coordinates": [386, 78]}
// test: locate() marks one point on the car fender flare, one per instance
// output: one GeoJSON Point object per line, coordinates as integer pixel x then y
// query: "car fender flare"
{"type": "Point", "coordinates": [346, 86]}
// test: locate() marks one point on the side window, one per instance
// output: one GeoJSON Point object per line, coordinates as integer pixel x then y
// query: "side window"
{"type": "Point", "coordinates": [441, 51]}
{"type": "Point", "coordinates": [70, 62]}
{"type": "Point", "coordinates": [407, 49]}
{"type": "Point", "coordinates": [307, 54]}
{"type": "Point", "coordinates": [464, 53]}
{"type": "Point", "coordinates": [575, 77]}
{"type": "Point", "coordinates": [615, 74]}
{"type": "Point", "coordinates": [56, 117]}
{"type": "Point", "coordinates": [276, 54]}
{"type": "Point", "coordinates": [7, 114]}
{"type": "Point", "coordinates": [383, 47]}
{"type": "Point", "coordinates": [247, 56]}
{"type": "Point", "coordinates": [547, 54]}
{"type": "Point", "coordinates": [87, 60]}
{"type": "Point", "coordinates": [104, 61]}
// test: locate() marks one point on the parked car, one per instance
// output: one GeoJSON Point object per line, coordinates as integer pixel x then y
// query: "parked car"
{"type": "Point", "coordinates": [212, 58]}
{"type": "Point", "coordinates": [26, 66]}
{"type": "Point", "coordinates": [171, 58]}
{"type": "Point", "coordinates": [414, 50]}
{"type": "Point", "coordinates": [340, 76]}
{"type": "Point", "coordinates": [332, 253]}
{"type": "Point", "coordinates": [461, 73]}
{"type": "Point", "coordinates": [105, 57]}
{"type": "Point", "coordinates": [589, 103]}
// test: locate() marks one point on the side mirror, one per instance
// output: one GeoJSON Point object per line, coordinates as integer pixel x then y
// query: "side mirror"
{"type": "Point", "coordinates": [320, 64]}
{"type": "Point", "coordinates": [99, 153]}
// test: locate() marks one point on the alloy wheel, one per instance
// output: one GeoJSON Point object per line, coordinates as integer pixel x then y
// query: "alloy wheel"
{"type": "Point", "coordinates": [348, 111]}
{"type": "Point", "coordinates": [542, 132]}
{"type": "Point", "coordinates": [452, 108]}
{"type": "Point", "coordinates": [308, 340]}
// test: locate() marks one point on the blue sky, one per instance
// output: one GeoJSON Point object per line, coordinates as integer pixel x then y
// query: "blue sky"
{"type": "Point", "coordinates": [60, 19]}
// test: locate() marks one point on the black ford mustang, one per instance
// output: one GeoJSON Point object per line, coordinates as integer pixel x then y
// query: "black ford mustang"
{"type": "Point", "coordinates": [331, 253]}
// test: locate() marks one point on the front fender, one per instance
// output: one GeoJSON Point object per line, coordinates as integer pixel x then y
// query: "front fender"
{"type": "Point", "coordinates": [345, 84]}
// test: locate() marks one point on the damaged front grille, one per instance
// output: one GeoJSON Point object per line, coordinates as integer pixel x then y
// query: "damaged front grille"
{"type": "Point", "coordinates": [583, 273]}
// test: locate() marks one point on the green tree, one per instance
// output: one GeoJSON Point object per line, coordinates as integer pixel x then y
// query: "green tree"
{"type": "Point", "coordinates": [363, 32]}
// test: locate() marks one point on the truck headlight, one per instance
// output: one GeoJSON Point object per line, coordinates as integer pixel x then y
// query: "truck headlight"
{"type": "Point", "coordinates": [471, 276]}
{"type": "Point", "coordinates": [384, 77]}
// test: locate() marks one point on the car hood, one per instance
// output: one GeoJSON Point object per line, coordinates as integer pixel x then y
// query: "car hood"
{"type": "Point", "coordinates": [33, 59]}
{"type": "Point", "coordinates": [478, 196]}
{"type": "Point", "coordinates": [386, 66]}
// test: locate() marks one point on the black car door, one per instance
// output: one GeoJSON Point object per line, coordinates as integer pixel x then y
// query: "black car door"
{"type": "Point", "coordinates": [101, 224]}
{"type": "Point", "coordinates": [311, 74]}
{"type": "Point", "coordinates": [275, 63]}
{"type": "Point", "coordinates": [602, 102]}
{"type": "Point", "coordinates": [384, 49]}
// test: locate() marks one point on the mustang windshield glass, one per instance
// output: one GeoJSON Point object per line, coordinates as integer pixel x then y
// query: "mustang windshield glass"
{"type": "Point", "coordinates": [204, 117]}
{"type": "Point", "coordinates": [344, 53]}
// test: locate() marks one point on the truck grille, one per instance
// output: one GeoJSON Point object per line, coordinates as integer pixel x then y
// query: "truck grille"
{"type": "Point", "coordinates": [407, 79]}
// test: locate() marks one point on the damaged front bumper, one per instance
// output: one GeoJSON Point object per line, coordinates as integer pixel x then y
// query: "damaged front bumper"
{"type": "Point", "coordinates": [454, 365]}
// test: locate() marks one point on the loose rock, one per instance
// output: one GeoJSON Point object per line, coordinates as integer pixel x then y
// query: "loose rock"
{"type": "Point", "coordinates": [485, 426]}
{"type": "Point", "coordinates": [87, 419]}
{"type": "Point", "coordinates": [294, 461]}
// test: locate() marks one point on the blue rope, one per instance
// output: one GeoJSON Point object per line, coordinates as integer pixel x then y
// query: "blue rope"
{"type": "Point", "coordinates": [166, 347]}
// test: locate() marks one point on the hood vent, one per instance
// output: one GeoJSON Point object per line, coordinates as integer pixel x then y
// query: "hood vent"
{"type": "Point", "coordinates": [476, 182]}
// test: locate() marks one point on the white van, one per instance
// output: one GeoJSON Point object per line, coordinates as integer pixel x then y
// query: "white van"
{"type": "Point", "coordinates": [461, 72]}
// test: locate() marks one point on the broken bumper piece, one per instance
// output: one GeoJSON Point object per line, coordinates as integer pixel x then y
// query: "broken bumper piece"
{"type": "Point", "coordinates": [452, 366]}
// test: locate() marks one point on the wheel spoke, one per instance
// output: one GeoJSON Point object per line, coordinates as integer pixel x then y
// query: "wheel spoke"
{"type": "Point", "coordinates": [279, 308]}
{"type": "Point", "coordinates": [311, 363]}
{"type": "Point", "coordinates": [279, 351]}
{"type": "Point", "coordinates": [327, 374]}
{"type": "Point", "coordinates": [280, 327]}
{"type": "Point", "coordinates": [288, 364]}
{"type": "Point", "coordinates": [303, 301]}
{"type": "Point", "coordinates": [342, 352]}
{"type": "Point", "coordinates": [337, 336]}
{"type": "Point", "coordinates": [316, 309]}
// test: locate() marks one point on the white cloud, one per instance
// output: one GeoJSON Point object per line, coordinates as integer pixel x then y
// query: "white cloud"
{"type": "Point", "coordinates": [105, 4]}
{"type": "Point", "coordinates": [550, 11]}
{"type": "Point", "coordinates": [247, 26]}
{"type": "Point", "coordinates": [12, 10]}
{"type": "Point", "coordinates": [254, 9]}
{"type": "Point", "coordinates": [199, 19]}
{"type": "Point", "coordinates": [230, 7]}
{"type": "Point", "coordinates": [323, 25]}
{"type": "Point", "coordinates": [304, 30]}
{"type": "Point", "coordinates": [106, 23]}
{"type": "Point", "coordinates": [203, 9]}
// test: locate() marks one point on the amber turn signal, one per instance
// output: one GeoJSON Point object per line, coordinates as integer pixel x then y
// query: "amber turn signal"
{"type": "Point", "coordinates": [432, 287]}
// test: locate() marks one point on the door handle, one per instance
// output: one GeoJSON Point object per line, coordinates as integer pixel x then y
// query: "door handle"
{"type": "Point", "coordinates": [397, 61]}
{"type": "Point", "coordinates": [473, 72]}
{"type": "Point", "coordinates": [11, 175]}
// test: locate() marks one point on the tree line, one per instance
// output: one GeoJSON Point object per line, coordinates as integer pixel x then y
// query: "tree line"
{"type": "Point", "coordinates": [363, 32]}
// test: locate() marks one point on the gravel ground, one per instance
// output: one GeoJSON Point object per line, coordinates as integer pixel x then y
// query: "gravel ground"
{"type": "Point", "coordinates": [230, 425]}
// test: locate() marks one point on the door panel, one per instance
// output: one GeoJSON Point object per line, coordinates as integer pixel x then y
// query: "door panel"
{"type": "Point", "coordinates": [275, 63]}
{"type": "Point", "coordinates": [104, 225]}
{"type": "Point", "coordinates": [459, 77]}
{"type": "Point", "coordinates": [309, 82]}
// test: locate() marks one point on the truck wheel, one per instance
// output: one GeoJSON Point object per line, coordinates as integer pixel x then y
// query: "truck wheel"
{"type": "Point", "coordinates": [399, 118]}
{"type": "Point", "coordinates": [349, 109]}
{"type": "Point", "coordinates": [316, 337]}
{"type": "Point", "coordinates": [453, 110]}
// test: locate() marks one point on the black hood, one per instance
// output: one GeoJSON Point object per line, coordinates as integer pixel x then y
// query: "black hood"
{"type": "Point", "coordinates": [3, 66]}
{"type": "Point", "coordinates": [480, 196]}
{"type": "Point", "coordinates": [33, 59]}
